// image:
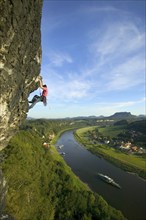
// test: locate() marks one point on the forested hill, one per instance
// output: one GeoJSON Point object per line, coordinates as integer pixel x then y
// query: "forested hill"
{"type": "Point", "coordinates": [40, 184]}
{"type": "Point", "coordinates": [138, 126]}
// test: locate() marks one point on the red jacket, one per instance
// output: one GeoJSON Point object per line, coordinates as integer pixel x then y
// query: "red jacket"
{"type": "Point", "coordinates": [45, 91]}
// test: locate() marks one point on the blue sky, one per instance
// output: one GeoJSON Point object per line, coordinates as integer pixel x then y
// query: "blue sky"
{"type": "Point", "coordinates": [93, 58]}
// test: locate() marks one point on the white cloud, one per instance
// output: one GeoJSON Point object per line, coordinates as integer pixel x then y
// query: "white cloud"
{"type": "Point", "coordinates": [77, 89]}
{"type": "Point", "coordinates": [68, 90]}
{"type": "Point", "coordinates": [126, 75]}
{"type": "Point", "coordinates": [118, 55]}
{"type": "Point", "coordinates": [108, 108]}
{"type": "Point", "coordinates": [120, 104]}
{"type": "Point", "coordinates": [59, 59]}
{"type": "Point", "coordinates": [117, 39]}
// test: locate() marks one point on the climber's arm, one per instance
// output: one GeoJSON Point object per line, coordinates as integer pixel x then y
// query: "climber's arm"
{"type": "Point", "coordinates": [41, 82]}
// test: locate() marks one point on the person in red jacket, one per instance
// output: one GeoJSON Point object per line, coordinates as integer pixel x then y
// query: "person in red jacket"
{"type": "Point", "coordinates": [42, 97]}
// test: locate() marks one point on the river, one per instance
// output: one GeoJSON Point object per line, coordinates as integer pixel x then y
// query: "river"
{"type": "Point", "coordinates": [130, 199]}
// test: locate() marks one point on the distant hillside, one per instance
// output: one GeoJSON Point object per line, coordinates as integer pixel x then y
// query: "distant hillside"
{"type": "Point", "coordinates": [122, 115]}
{"type": "Point", "coordinates": [116, 116]}
{"type": "Point", "coordinates": [139, 126]}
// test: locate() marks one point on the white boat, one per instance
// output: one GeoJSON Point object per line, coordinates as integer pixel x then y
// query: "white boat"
{"type": "Point", "coordinates": [62, 153]}
{"type": "Point", "coordinates": [60, 146]}
{"type": "Point", "coordinates": [109, 180]}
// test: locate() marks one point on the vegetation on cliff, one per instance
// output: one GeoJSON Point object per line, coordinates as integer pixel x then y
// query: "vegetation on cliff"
{"type": "Point", "coordinates": [41, 185]}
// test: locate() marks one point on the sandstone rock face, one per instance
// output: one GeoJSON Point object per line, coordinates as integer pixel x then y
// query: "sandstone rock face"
{"type": "Point", "coordinates": [20, 59]}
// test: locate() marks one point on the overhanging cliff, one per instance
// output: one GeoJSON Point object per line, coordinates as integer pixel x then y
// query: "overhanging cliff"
{"type": "Point", "coordinates": [20, 60]}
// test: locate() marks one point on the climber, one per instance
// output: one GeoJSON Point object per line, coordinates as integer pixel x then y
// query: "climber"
{"type": "Point", "coordinates": [42, 97]}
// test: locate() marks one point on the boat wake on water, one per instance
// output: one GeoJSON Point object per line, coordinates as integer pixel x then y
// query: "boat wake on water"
{"type": "Point", "coordinates": [109, 180]}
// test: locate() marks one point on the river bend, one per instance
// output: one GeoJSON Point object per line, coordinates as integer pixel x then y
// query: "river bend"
{"type": "Point", "coordinates": [130, 199]}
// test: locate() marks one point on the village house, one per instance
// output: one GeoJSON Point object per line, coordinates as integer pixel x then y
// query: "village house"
{"type": "Point", "coordinates": [126, 146]}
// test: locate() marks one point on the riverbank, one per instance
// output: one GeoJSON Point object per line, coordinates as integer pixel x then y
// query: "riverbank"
{"type": "Point", "coordinates": [126, 162]}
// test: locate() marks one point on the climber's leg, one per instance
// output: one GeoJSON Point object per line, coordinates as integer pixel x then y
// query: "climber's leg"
{"type": "Point", "coordinates": [35, 99]}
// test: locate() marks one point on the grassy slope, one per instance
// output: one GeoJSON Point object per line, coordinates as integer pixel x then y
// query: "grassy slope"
{"type": "Point", "coordinates": [112, 131]}
{"type": "Point", "coordinates": [131, 161]}
{"type": "Point", "coordinates": [42, 187]}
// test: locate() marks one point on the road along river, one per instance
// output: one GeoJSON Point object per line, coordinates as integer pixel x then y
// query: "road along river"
{"type": "Point", "coordinates": [130, 199]}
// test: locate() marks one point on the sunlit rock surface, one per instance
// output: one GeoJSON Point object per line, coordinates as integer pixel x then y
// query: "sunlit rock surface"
{"type": "Point", "coordinates": [20, 59]}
